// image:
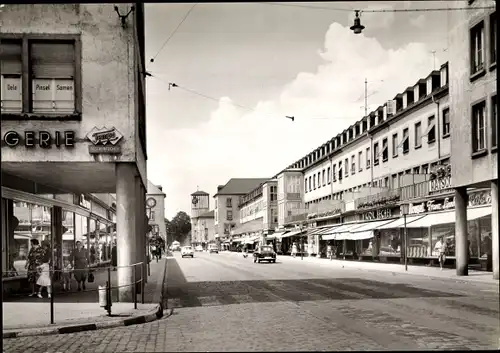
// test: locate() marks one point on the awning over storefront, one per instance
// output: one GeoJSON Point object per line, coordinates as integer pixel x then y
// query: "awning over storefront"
{"type": "Point", "coordinates": [293, 233]}
{"type": "Point", "coordinates": [340, 233]}
{"type": "Point", "coordinates": [365, 230]}
{"type": "Point", "coordinates": [400, 222]}
{"type": "Point", "coordinates": [447, 217]}
{"type": "Point", "coordinates": [478, 212]}
{"type": "Point", "coordinates": [276, 235]}
{"type": "Point", "coordinates": [248, 227]}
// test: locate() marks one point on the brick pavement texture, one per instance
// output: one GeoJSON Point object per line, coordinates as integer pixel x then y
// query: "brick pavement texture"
{"type": "Point", "coordinates": [299, 311]}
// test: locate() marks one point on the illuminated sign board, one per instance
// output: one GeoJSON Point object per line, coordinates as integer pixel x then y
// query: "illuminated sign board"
{"type": "Point", "coordinates": [43, 139]}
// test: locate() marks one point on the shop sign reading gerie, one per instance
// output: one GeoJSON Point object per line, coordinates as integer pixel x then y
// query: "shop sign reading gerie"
{"type": "Point", "coordinates": [104, 140]}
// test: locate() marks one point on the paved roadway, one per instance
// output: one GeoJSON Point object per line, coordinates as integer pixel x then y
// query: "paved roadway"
{"type": "Point", "coordinates": [223, 302]}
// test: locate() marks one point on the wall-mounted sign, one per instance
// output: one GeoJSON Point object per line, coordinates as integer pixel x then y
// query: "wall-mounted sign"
{"type": "Point", "coordinates": [377, 214]}
{"type": "Point", "coordinates": [151, 202]}
{"type": "Point", "coordinates": [440, 184]}
{"type": "Point", "coordinates": [481, 198]}
{"type": "Point", "coordinates": [104, 140]}
{"type": "Point", "coordinates": [44, 139]}
{"type": "Point", "coordinates": [53, 94]}
{"type": "Point", "coordinates": [11, 94]}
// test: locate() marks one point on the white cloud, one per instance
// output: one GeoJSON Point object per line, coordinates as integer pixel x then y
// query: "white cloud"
{"type": "Point", "coordinates": [260, 143]}
{"type": "Point", "coordinates": [418, 22]}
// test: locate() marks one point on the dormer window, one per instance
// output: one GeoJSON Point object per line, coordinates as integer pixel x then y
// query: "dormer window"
{"type": "Point", "coordinates": [409, 97]}
{"type": "Point", "coordinates": [365, 125]}
{"type": "Point", "coordinates": [399, 104]}
{"type": "Point", "coordinates": [422, 90]}
{"type": "Point", "coordinates": [380, 113]}
{"type": "Point", "coordinates": [357, 130]}
{"type": "Point", "coordinates": [372, 121]}
{"type": "Point", "coordinates": [436, 82]}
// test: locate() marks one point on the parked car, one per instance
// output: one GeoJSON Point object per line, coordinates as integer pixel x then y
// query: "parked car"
{"type": "Point", "coordinates": [213, 248]}
{"type": "Point", "coordinates": [264, 253]}
{"type": "Point", "coordinates": [187, 251]}
{"type": "Point", "coordinates": [198, 248]}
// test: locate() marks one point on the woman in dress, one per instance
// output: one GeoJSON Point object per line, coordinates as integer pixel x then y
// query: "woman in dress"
{"type": "Point", "coordinates": [44, 278]}
{"type": "Point", "coordinates": [80, 265]}
{"type": "Point", "coordinates": [36, 256]}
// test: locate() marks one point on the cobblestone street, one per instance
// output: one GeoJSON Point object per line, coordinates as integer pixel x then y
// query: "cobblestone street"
{"type": "Point", "coordinates": [223, 302]}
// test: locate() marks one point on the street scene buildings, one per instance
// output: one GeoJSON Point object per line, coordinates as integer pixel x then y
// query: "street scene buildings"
{"type": "Point", "coordinates": [317, 224]}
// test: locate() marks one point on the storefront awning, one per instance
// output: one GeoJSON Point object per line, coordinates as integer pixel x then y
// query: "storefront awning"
{"type": "Point", "coordinates": [249, 227]}
{"type": "Point", "coordinates": [341, 232]}
{"type": "Point", "coordinates": [293, 233]}
{"type": "Point", "coordinates": [400, 222]}
{"type": "Point", "coordinates": [433, 219]}
{"type": "Point", "coordinates": [367, 234]}
{"type": "Point", "coordinates": [478, 212]}
{"type": "Point", "coordinates": [368, 226]}
{"type": "Point", "coordinates": [276, 235]}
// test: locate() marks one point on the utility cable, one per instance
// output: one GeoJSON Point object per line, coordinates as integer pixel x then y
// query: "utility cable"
{"type": "Point", "coordinates": [172, 34]}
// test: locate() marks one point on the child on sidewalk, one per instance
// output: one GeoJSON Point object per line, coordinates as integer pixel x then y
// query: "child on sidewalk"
{"type": "Point", "coordinates": [44, 279]}
{"type": "Point", "coordinates": [66, 275]}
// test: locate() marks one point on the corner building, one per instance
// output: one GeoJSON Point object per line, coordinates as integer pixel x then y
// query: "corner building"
{"type": "Point", "coordinates": [474, 132]}
{"type": "Point", "coordinates": [73, 115]}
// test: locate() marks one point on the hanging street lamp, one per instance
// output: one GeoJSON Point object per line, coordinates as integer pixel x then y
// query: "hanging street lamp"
{"type": "Point", "coordinates": [357, 28]}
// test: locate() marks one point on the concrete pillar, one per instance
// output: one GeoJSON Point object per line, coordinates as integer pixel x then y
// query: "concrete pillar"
{"type": "Point", "coordinates": [144, 227]}
{"type": "Point", "coordinates": [126, 219]}
{"type": "Point", "coordinates": [494, 229]}
{"type": "Point", "coordinates": [461, 245]}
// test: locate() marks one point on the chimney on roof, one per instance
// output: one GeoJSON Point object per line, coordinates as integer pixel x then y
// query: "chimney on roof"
{"type": "Point", "coordinates": [160, 187]}
{"type": "Point", "coordinates": [219, 187]}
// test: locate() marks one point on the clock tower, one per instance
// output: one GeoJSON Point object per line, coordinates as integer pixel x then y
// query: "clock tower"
{"type": "Point", "coordinates": [199, 205]}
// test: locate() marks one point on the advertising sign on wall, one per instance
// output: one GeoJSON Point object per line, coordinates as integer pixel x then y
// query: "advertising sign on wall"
{"type": "Point", "coordinates": [104, 140]}
{"type": "Point", "coordinates": [53, 95]}
{"type": "Point", "coordinates": [481, 198]}
{"type": "Point", "coordinates": [11, 94]}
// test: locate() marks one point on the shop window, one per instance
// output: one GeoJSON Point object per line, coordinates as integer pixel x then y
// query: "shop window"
{"type": "Point", "coordinates": [390, 243]}
{"type": "Point", "coordinates": [494, 121]}
{"type": "Point", "coordinates": [68, 236]}
{"type": "Point", "coordinates": [477, 48]}
{"type": "Point", "coordinates": [419, 243]}
{"type": "Point", "coordinates": [375, 153]}
{"type": "Point", "coordinates": [51, 70]}
{"type": "Point", "coordinates": [478, 127]}
{"type": "Point", "coordinates": [11, 75]}
{"type": "Point", "coordinates": [19, 237]}
{"type": "Point", "coordinates": [446, 233]}
{"type": "Point", "coordinates": [485, 247]}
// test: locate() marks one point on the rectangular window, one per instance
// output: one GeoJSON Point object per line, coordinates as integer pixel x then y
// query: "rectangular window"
{"type": "Point", "coordinates": [340, 170]}
{"type": "Point", "coordinates": [305, 185]}
{"type": "Point", "coordinates": [493, 38]}
{"type": "Point", "coordinates": [353, 164]}
{"type": "Point", "coordinates": [494, 121]}
{"type": "Point", "coordinates": [406, 141]}
{"type": "Point", "coordinates": [334, 173]}
{"type": "Point", "coordinates": [328, 175]}
{"type": "Point", "coordinates": [310, 184]}
{"type": "Point", "coordinates": [416, 170]}
{"type": "Point", "coordinates": [375, 153]}
{"type": "Point", "coordinates": [52, 70]}
{"type": "Point", "coordinates": [478, 127]}
{"type": "Point", "coordinates": [229, 202]}
{"type": "Point", "coordinates": [323, 177]}
{"type": "Point", "coordinates": [395, 146]}
{"type": "Point", "coordinates": [314, 181]}
{"type": "Point", "coordinates": [477, 48]}
{"type": "Point", "coordinates": [11, 75]}
{"type": "Point", "coordinates": [319, 180]}
{"type": "Point", "coordinates": [346, 165]}
{"type": "Point", "coordinates": [431, 129]}
{"type": "Point", "coordinates": [446, 122]}
{"type": "Point", "coordinates": [360, 160]}
{"type": "Point", "coordinates": [385, 150]}
{"type": "Point", "coordinates": [418, 134]}
{"type": "Point", "coordinates": [368, 158]}
{"type": "Point", "coordinates": [229, 215]}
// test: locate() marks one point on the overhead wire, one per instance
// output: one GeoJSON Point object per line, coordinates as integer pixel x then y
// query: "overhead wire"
{"type": "Point", "coordinates": [173, 32]}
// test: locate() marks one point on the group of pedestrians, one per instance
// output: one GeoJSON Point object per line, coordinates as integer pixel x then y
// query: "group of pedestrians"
{"type": "Point", "coordinates": [39, 264]}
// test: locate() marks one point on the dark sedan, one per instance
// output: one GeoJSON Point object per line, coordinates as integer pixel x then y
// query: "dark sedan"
{"type": "Point", "coordinates": [264, 253]}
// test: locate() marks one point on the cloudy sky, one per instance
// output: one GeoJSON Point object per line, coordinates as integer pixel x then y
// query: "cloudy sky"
{"type": "Point", "coordinates": [250, 64]}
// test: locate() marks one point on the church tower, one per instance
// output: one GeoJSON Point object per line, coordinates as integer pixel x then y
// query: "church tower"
{"type": "Point", "coordinates": [200, 204]}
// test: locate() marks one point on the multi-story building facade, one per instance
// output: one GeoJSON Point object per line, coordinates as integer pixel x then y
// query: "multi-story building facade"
{"type": "Point", "coordinates": [202, 220]}
{"type": "Point", "coordinates": [155, 210]}
{"type": "Point", "coordinates": [474, 132]}
{"type": "Point", "coordinates": [258, 214]}
{"type": "Point", "coordinates": [226, 216]}
{"type": "Point", "coordinates": [73, 115]}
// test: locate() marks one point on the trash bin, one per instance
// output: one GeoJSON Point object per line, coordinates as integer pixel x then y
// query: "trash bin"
{"type": "Point", "coordinates": [103, 297]}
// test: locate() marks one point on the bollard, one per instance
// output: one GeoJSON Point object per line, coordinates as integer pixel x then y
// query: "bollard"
{"type": "Point", "coordinates": [135, 289]}
{"type": "Point", "coordinates": [143, 284]}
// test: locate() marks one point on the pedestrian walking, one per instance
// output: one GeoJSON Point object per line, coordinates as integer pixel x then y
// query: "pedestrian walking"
{"type": "Point", "coordinates": [441, 248]}
{"type": "Point", "coordinates": [66, 275]}
{"type": "Point", "coordinates": [114, 256]}
{"type": "Point", "coordinates": [80, 264]}
{"type": "Point", "coordinates": [35, 260]}
{"type": "Point", "coordinates": [294, 249]}
{"type": "Point", "coordinates": [329, 252]}
{"type": "Point", "coordinates": [44, 278]}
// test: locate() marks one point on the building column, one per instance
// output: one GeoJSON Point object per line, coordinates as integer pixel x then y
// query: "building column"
{"type": "Point", "coordinates": [494, 229]}
{"type": "Point", "coordinates": [126, 219]}
{"type": "Point", "coordinates": [461, 238]}
{"type": "Point", "coordinates": [144, 229]}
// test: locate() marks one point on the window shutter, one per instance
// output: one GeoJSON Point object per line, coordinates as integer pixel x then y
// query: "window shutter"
{"type": "Point", "coordinates": [53, 60]}
{"type": "Point", "coordinates": [10, 58]}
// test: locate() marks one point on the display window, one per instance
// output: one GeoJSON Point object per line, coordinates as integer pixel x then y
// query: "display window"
{"type": "Point", "coordinates": [419, 242]}
{"type": "Point", "coordinates": [390, 242]}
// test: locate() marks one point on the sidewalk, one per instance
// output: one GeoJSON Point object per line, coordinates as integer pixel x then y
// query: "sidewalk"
{"type": "Point", "coordinates": [23, 314]}
{"type": "Point", "coordinates": [474, 276]}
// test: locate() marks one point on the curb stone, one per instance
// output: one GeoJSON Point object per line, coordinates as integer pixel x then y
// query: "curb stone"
{"type": "Point", "coordinates": [155, 314]}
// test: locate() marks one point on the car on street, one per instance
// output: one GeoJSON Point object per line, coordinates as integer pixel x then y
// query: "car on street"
{"type": "Point", "coordinates": [198, 248]}
{"type": "Point", "coordinates": [187, 251]}
{"type": "Point", "coordinates": [213, 248]}
{"type": "Point", "coordinates": [264, 253]}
